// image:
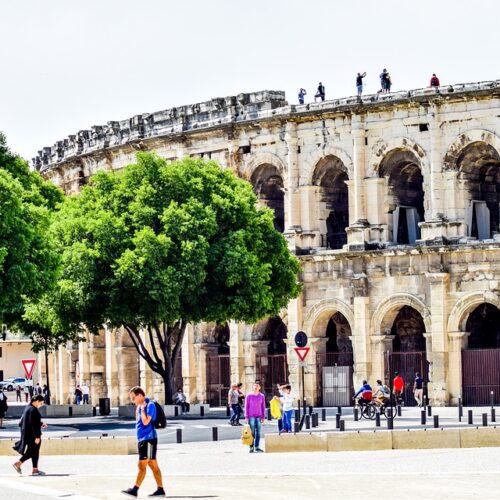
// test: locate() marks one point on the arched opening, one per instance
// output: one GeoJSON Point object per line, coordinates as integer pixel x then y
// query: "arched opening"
{"type": "Point", "coordinates": [335, 364]}
{"type": "Point", "coordinates": [478, 166]}
{"type": "Point", "coordinates": [408, 354]}
{"type": "Point", "coordinates": [405, 197]}
{"type": "Point", "coordinates": [268, 186]}
{"type": "Point", "coordinates": [218, 364]}
{"type": "Point", "coordinates": [272, 368]}
{"type": "Point", "coordinates": [481, 358]}
{"type": "Point", "coordinates": [330, 175]}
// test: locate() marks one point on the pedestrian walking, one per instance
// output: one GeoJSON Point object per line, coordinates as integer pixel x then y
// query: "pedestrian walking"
{"type": "Point", "coordinates": [26, 391]}
{"type": "Point", "coordinates": [418, 389]}
{"type": "Point", "coordinates": [434, 81]}
{"type": "Point", "coordinates": [359, 83]}
{"type": "Point", "coordinates": [255, 413]}
{"type": "Point", "coordinates": [46, 394]}
{"type": "Point", "coordinates": [320, 93]}
{"type": "Point", "coordinates": [3, 406]}
{"type": "Point", "coordinates": [302, 94]}
{"type": "Point", "coordinates": [233, 402]}
{"type": "Point", "coordinates": [286, 399]}
{"type": "Point", "coordinates": [180, 399]}
{"type": "Point", "coordinates": [38, 390]}
{"type": "Point", "coordinates": [78, 395]}
{"type": "Point", "coordinates": [31, 436]}
{"type": "Point", "coordinates": [18, 394]}
{"type": "Point", "coordinates": [241, 403]}
{"type": "Point", "coordinates": [147, 442]}
{"type": "Point", "coordinates": [85, 394]}
{"type": "Point", "coordinates": [398, 385]}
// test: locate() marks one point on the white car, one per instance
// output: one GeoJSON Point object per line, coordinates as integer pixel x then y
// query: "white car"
{"type": "Point", "coordinates": [11, 383]}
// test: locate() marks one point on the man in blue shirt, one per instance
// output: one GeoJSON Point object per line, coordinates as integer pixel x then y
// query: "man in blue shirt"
{"type": "Point", "coordinates": [147, 442]}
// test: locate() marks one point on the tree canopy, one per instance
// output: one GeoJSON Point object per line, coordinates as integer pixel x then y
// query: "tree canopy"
{"type": "Point", "coordinates": [28, 259]}
{"type": "Point", "coordinates": [160, 245]}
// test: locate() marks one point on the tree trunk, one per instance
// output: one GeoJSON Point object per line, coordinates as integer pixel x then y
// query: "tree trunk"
{"type": "Point", "coordinates": [168, 384]}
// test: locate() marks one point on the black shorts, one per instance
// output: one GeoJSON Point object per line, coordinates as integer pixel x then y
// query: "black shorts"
{"type": "Point", "coordinates": [147, 449]}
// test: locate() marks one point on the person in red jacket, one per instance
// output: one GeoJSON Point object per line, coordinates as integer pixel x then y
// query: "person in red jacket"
{"type": "Point", "coordinates": [435, 81]}
{"type": "Point", "coordinates": [398, 385]}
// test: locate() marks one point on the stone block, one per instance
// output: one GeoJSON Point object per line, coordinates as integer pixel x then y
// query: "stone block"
{"type": "Point", "coordinates": [480, 437]}
{"type": "Point", "coordinates": [425, 439]}
{"type": "Point", "coordinates": [359, 441]}
{"type": "Point", "coordinates": [276, 443]}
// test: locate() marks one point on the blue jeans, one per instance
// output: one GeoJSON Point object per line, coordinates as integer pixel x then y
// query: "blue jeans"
{"type": "Point", "coordinates": [235, 408]}
{"type": "Point", "coordinates": [287, 420]}
{"type": "Point", "coordinates": [254, 423]}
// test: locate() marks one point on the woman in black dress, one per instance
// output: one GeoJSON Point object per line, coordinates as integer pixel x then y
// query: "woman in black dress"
{"type": "Point", "coordinates": [31, 436]}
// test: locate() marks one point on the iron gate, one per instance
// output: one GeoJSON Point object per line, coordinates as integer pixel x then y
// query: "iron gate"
{"type": "Point", "coordinates": [218, 379]}
{"type": "Point", "coordinates": [480, 376]}
{"type": "Point", "coordinates": [272, 370]}
{"type": "Point", "coordinates": [407, 364]}
{"type": "Point", "coordinates": [334, 372]}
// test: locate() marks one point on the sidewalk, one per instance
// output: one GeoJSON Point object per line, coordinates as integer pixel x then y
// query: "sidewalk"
{"type": "Point", "coordinates": [224, 470]}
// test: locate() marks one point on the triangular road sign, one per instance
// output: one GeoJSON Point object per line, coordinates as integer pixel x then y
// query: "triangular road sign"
{"type": "Point", "coordinates": [302, 352]}
{"type": "Point", "coordinates": [28, 365]}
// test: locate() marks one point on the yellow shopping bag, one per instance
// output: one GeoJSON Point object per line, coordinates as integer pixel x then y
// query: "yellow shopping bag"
{"type": "Point", "coordinates": [275, 407]}
{"type": "Point", "coordinates": [246, 435]}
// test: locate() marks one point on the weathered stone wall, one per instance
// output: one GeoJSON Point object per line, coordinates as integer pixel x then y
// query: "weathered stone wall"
{"type": "Point", "coordinates": [421, 174]}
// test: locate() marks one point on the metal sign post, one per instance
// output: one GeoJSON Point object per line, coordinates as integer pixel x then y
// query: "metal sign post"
{"type": "Point", "coordinates": [302, 351]}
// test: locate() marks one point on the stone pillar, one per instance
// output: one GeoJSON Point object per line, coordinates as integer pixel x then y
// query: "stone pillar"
{"type": "Point", "coordinates": [111, 367]}
{"type": "Point", "coordinates": [457, 342]}
{"type": "Point", "coordinates": [236, 351]}
{"type": "Point", "coordinates": [252, 350]}
{"type": "Point", "coordinates": [438, 353]}
{"type": "Point", "coordinates": [128, 365]}
{"type": "Point", "coordinates": [381, 344]}
{"type": "Point", "coordinates": [189, 365]}
{"type": "Point", "coordinates": [360, 338]}
{"type": "Point", "coordinates": [294, 324]}
{"type": "Point", "coordinates": [84, 360]}
{"type": "Point", "coordinates": [63, 376]}
{"type": "Point", "coordinates": [358, 232]}
{"type": "Point", "coordinates": [292, 194]}
{"type": "Point", "coordinates": [97, 366]}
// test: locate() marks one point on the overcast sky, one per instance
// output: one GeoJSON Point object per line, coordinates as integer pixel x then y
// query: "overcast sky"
{"type": "Point", "coordinates": [66, 65]}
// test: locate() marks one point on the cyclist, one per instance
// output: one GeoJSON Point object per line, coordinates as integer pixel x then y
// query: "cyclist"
{"type": "Point", "coordinates": [381, 395]}
{"type": "Point", "coordinates": [366, 393]}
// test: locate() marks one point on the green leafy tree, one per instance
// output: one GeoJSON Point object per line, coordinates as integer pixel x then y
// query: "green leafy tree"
{"type": "Point", "coordinates": [160, 245]}
{"type": "Point", "coordinates": [28, 259]}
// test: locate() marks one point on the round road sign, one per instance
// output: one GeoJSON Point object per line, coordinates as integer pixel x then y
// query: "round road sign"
{"type": "Point", "coordinates": [300, 339]}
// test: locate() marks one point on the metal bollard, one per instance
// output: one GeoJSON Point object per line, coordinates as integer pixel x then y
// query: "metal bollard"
{"type": "Point", "coordinates": [310, 410]}
{"type": "Point", "coordinates": [179, 436]}
{"type": "Point", "coordinates": [215, 434]}
{"type": "Point", "coordinates": [492, 399]}
{"type": "Point", "coordinates": [323, 414]}
{"type": "Point", "coordinates": [297, 415]}
{"type": "Point", "coordinates": [228, 411]}
{"type": "Point", "coordinates": [313, 420]}
{"type": "Point", "coordinates": [342, 426]}
{"type": "Point", "coordinates": [422, 416]}
{"type": "Point", "coordinates": [377, 419]}
{"type": "Point", "coordinates": [316, 418]}
{"type": "Point", "coordinates": [426, 401]}
{"type": "Point", "coordinates": [429, 411]}
{"type": "Point", "coordinates": [308, 421]}
{"type": "Point", "coordinates": [337, 420]}
{"type": "Point", "coordinates": [399, 410]}
{"type": "Point", "coordinates": [390, 423]}
{"type": "Point", "coordinates": [436, 421]}
{"type": "Point", "coordinates": [202, 411]}
{"type": "Point", "coordinates": [70, 408]}
{"type": "Point", "coordinates": [355, 412]}
{"type": "Point", "coordinates": [269, 417]}
{"type": "Point", "coordinates": [94, 411]}
{"type": "Point", "coordinates": [485, 420]}
{"type": "Point", "coordinates": [339, 409]}
{"type": "Point", "coordinates": [460, 409]}
{"type": "Point", "coordinates": [296, 427]}
{"type": "Point", "coordinates": [493, 416]}
{"type": "Point", "coordinates": [176, 411]}
{"type": "Point", "coordinates": [470, 420]}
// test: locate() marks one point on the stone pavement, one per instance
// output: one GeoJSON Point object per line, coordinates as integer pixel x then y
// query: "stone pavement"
{"type": "Point", "coordinates": [225, 470]}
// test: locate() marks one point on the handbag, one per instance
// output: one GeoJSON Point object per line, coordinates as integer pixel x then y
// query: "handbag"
{"type": "Point", "coordinates": [246, 435]}
{"type": "Point", "coordinates": [19, 448]}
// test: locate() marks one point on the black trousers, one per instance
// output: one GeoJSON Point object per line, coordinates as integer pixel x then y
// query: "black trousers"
{"type": "Point", "coordinates": [33, 452]}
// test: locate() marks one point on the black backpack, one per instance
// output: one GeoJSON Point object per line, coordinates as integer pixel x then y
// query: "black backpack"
{"type": "Point", "coordinates": [160, 421]}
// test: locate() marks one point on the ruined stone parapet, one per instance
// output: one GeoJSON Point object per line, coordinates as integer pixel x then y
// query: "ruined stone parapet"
{"type": "Point", "coordinates": [245, 107]}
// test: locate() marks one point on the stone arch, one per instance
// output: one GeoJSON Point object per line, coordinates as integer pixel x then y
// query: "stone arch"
{"type": "Point", "coordinates": [455, 149]}
{"type": "Point", "coordinates": [307, 174]}
{"type": "Point", "coordinates": [388, 309]}
{"type": "Point", "coordinates": [255, 161]}
{"type": "Point", "coordinates": [274, 330]}
{"type": "Point", "coordinates": [317, 318]}
{"type": "Point", "coordinates": [464, 306]}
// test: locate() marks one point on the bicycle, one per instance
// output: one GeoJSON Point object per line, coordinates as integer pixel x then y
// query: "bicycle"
{"type": "Point", "coordinates": [366, 409]}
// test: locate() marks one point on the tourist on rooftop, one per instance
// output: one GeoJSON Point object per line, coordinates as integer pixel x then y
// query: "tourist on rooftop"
{"type": "Point", "coordinates": [435, 81]}
{"type": "Point", "coordinates": [359, 83]}
{"type": "Point", "coordinates": [302, 93]}
{"type": "Point", "coordinates": [320, 92]}
{"type": "Point", "coordinates": [388, 83]}
{"type": "Point", "coordinates": [383, 81]}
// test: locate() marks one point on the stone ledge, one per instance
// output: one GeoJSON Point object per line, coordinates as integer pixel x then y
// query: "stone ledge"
{"type": "Point", "coordinates": [128, 411]}
{"type": "Point", "coordinates": [384, 440]}
{"type": "Point", "coordinates": [79, 446]}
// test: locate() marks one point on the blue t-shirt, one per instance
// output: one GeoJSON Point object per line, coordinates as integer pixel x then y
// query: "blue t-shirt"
{"type": "Point", "coordinates": [146, 431]}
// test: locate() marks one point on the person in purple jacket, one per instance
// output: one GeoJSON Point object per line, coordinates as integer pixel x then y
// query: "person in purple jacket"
{"type": "Point", "coordinates": [255, 413]}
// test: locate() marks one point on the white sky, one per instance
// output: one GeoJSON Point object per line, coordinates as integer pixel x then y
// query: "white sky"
{"type": "Point", "coordinates": [68, 64]}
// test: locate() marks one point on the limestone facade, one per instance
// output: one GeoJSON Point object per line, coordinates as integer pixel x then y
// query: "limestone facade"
{"type": "Point", "coordinates": [392, 204]}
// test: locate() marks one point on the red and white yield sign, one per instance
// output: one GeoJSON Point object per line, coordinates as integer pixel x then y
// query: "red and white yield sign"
{"type": "Point", "coordinates": [302, 352]}
{"type": "Point", "coordinates": [28, 365]}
